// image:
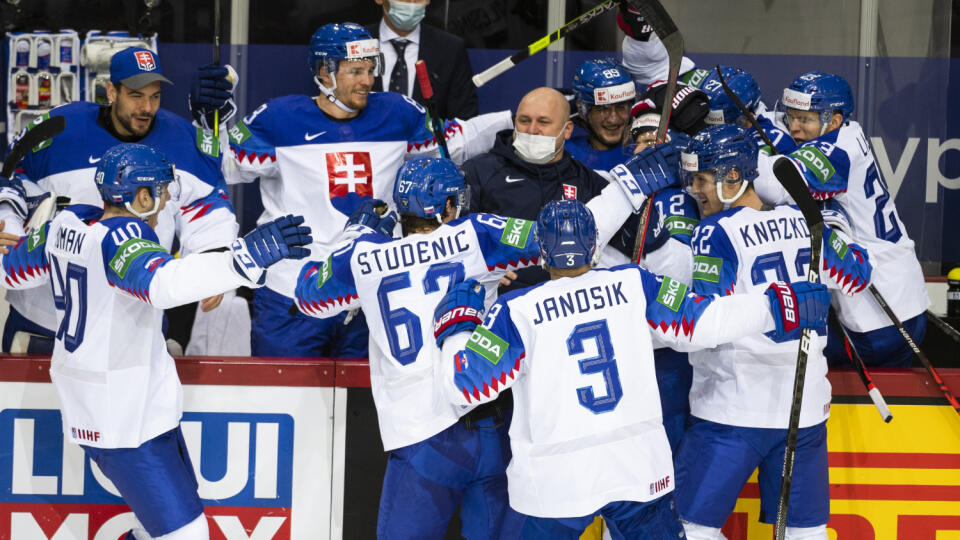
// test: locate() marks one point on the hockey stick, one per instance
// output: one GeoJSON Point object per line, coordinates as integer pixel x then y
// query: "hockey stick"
{"type": "Point", "coordinates": [943, 325]}
{"type": "Point", "coordinates": [37, 135]}
{"type": "Point", "coordinates": [658, 18]}
{"type": "Point", "coordinates": [915, 348]}
{"type": "Point", "coordinates": [216, 60]}
{"type": "Point", "coordinates": [873, 290]}
{"type": "Point", "coordinates": [861, 368]}
{"type": "Point", "coordinates": [791, 180]}
{"type": "Point", "coordinates": [493, 71]}
{"type": "Point", "coordinates": [427, 90]}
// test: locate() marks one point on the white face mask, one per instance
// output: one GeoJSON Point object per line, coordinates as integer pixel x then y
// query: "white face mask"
{"type": "Point", "coordinates": [406, 15]}
{"type": "Point", "coordinates": [536, 149]}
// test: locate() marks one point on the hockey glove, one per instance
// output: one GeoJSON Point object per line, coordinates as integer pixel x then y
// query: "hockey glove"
{"type": "Point", "coordinates": [633, 24]}
{"type": "Point", "coordinates": [626, 238]}
{"type": "Point", "coordinates": [372, 216]}
{"type": "Point", "coordinates": [796, 306]}
{"type": "Point", "coordinates": [13, 193]}
{"type": "Point", "coordinates": [655, 168]}
{"type": "Point", "coordinates": [212, 90]}
{"type": "Point", "coordinates": [690, 106]}
{"type": "Point", "coordinates": [835, 216]}
{"type": "Point", "coordinates": [281, 238]}
{"type": "Point", "coordinates": [460, 310]}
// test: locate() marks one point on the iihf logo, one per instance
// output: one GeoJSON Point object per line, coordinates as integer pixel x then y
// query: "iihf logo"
{"type": "Point", "coordinates": [145, 60]}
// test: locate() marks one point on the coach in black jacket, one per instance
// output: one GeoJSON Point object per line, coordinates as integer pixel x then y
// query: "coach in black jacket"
{"type": "Point", "coordinates": [502, 182]}
{"type": "Point", "coordinates": [445, 55]}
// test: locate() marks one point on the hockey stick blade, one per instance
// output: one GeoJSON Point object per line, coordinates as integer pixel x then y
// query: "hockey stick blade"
{"type": "Point", "coordinates": [861, 368]}
{"type": "Point", "coordinates": [790, 178]}
{"type": "Point", "coordinates": [917, 352]}
{"type": "Point", "coordinates": [48, 129]}
{"type": "Point", "coordinates": [500, 67]}
{"type": "Point", "coordinates": [943, 325]}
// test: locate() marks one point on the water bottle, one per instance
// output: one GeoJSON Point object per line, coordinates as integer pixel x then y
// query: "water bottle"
{"type": "Point", "coordinates": [953, 293]}
{"type": "Point", "coordinates": [43, 53]}
{"type": "Point", "coordinates": [23, 53]}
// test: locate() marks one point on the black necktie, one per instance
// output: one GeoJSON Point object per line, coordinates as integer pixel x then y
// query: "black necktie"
{"type": "Point", "coordinates": [398, 77]}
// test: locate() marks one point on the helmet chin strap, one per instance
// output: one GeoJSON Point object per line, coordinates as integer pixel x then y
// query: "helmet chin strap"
{"type": "Point", "coordinates": [143, 216]}
{"type": "Point", "coordinates": [728, 202]}
{"type": "Point", "coordinates": [328, 92]}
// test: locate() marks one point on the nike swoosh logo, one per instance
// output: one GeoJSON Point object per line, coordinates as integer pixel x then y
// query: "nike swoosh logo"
{"type": "Point", "coordinates": [512, 180]}
{"type": "Point", "coordinates": [92, 161]}
{"type": "Point", "coordinates": [309, 137]}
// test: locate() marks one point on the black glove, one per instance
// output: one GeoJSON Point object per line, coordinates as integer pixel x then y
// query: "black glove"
{"type": "Point", "coordinates": [212, 90]}
{"type": "Point", "coordinates": [690, 106]}
{"type": "Point", "coordinates": [626, 238]}
{"type": "Point", "coordinates": [633, 24]}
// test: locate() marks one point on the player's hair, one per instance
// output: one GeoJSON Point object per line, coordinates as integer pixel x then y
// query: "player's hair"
{"type": "Point", "coordinates": [412, 223]}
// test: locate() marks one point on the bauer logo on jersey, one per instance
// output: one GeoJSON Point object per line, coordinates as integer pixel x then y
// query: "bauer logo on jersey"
{"type": "Point", "coordinates": [707, 268]}
{"type": "Point", "coordinates": [145, 60]}
{"type": "Point", "coordinates": [487, 344]}
{"type": "Point", "coordinates": [516, 232]}
{"type": "Point", "coordinates": [569, 192]}
{"type": "Point", "coordinates": [350, 179]}
{"type": "Point", "coordinates": [671, 293]}
{"type": "Point", "coordinates": [130, 250]}
{"type": "Point", "coordinates": [816, 161]}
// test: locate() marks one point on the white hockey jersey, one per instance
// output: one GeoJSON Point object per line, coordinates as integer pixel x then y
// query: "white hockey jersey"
{"type": "Point", "coordinates": [741, 251]}
{"type": "Point", "coordinates": [321, 168]}
{"type": "Point", "coordinates": [587, 426]}
{"type": "Point", "coordinates": [202, 217]}
{"type": "Point", "coordinates": [839, 165]}
{"type": "Point", "coordinates": [398, 283]}
{"type": "Point", "coordinates": [111, 280]}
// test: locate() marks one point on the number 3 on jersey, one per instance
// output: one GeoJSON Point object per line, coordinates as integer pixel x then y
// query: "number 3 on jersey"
{"type": "Point", "coordinates": [604, 362]}
{"type": "Point", "coordinates": [70, 297]}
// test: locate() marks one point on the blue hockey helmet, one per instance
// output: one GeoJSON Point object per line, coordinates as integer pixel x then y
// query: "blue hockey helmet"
{"type": "Point", "coordinates": [719, 150]}
{"type": "Point", "coordinates": [825, 93]}
{"type": "Point", "coordinates": [567, 234]}
{"type": "Point", "coordinates": [425, 184]}
{"type": "Point", "coordinates": [722, 109]}
{"type": "Point", "coordinates": [602, 82]}
{"type": "Point", "coordinates": [335, 42]}
{"type": "Point", "coordinates": [127, 167]}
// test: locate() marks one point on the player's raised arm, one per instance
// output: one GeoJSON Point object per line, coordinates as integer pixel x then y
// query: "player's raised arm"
{"type": "Point", "coordinates": [135, 182]}
{"type": "Point", "coordinates": [26, 266]}
{"type": "Point", "coordinates": [252, 151]}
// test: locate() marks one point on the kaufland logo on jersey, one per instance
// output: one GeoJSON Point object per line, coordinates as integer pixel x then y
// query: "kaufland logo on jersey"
{"type": "Point", "coordinates": [614, 94]}
{"type": "Point", "coordinates": [145, 60]}
{"type": "Point", "coordinates": [796, 100]}
{"type": "Point", "coordinates": [350, 179]}
{"type": "Point", "coordinates": [50, 490]}
{"type": "Point", "coordinates": [689, 162]}
{"type": "Point", "coordinates": [363, 48]}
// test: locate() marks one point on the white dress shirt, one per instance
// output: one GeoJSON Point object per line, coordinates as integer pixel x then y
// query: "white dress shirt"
{"type": "Point", "coordinates": [410, 54]}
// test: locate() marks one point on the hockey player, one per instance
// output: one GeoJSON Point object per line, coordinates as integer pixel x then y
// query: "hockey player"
{"type": "Point", "coordinates": [321, 157]}
{"type": "Point", "coordinates": [434, 465]}
{"type": "Point", "coordinates": [586, 435]}
{"type": "Point", "coordinates": [202, 217]}
{"type": "Point", "coordinates": [118, 387]}
{"type": "Point", "coordinates": [837, 162]}
{"type": "Point", "coordinates": [740, 399]}
{"type": "Point", "coordinates": [604, 95]}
